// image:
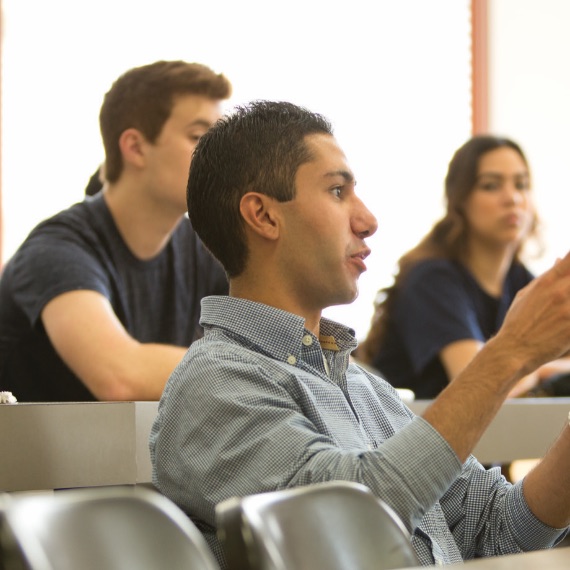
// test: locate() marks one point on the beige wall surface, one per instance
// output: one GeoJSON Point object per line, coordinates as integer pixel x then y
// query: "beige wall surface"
{"type": "Point", "coordinates": [529, 82]}
{"type": "Point", "coordinates": [392, 75]}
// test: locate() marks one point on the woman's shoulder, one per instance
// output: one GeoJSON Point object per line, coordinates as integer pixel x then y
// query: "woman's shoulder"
{"type": "Point", "coordinates": [519, 269]}
{"type": "Point", "coordinates": [519, 275]}
{"type": "Point", "coordinates": [434, 268]}
{"type": "Point", "coordinates": [430, 279]}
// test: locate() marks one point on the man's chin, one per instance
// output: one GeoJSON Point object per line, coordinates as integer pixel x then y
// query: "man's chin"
{"type": "Point", "coordinates": [345, 298]}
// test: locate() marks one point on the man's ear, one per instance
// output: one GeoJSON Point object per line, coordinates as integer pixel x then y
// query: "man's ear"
{"type": "Point", "coordinates": [260, 214]}
{"type": "Point", "coordinates": [132, 144]}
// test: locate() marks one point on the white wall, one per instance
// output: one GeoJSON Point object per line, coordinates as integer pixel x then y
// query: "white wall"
{"type": "Point", "coordinates": [530, 102]}
{"type": "Point", "coordinates": [392, 75]}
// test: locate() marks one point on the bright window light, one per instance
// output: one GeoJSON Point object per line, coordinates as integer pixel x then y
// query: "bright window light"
{"type": "Point", "coordinates": [392, 76]}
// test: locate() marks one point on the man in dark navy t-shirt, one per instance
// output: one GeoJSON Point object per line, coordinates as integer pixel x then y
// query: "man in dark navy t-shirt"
{"type": "Point", "coordinates": [102, 300]}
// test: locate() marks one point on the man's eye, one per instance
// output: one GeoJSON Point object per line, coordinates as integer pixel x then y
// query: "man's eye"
{"type": "Point", "coordinates": [337, 191]}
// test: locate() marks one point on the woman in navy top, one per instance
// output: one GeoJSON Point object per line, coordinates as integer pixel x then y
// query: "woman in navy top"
{"type": "Point", "coordinates": [453, 289]}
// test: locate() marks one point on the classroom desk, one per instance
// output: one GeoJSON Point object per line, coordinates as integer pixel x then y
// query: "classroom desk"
{"type": "Point", "coordinates": [524, 428]}
{"type": "Point", "coordinates": [552, 559]}
{"type": "Point", "coordinates": [66, 445]}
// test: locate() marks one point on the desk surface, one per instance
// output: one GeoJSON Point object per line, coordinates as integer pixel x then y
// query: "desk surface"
{"type": "Point", "coordinates": [63, 445]}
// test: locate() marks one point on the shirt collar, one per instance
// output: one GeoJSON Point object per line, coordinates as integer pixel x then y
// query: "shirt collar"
{"type": "Point", "coordinates": [278, 333]}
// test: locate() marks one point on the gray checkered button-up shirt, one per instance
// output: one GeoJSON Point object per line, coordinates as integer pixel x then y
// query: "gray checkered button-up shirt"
{"type": "Point", "coordinates": [254, 407]}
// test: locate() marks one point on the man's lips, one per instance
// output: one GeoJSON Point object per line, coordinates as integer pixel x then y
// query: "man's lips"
{"type": "Point", "coordinates": [359, 258]}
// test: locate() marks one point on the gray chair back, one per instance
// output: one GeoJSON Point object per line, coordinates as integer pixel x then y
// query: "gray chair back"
{"type": "Point", "coordinates": [335, 525]}
{"type": "Point", "coordinates": [99, 529]}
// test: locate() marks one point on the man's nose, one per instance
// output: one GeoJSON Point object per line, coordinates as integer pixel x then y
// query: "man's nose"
{"type": "Point", "coordinates": [364, 222]}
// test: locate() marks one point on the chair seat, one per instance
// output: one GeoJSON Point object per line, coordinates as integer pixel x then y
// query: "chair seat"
{"type": "Point", "coordinates": [336, 525]}
{"type": "Point", "coordinates": [100, 529]}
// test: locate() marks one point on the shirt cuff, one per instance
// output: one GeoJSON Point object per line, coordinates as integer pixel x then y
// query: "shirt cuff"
{"type": "Point", "coordinates": [529, 530]}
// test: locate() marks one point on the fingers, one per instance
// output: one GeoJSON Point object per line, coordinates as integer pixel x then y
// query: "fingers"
{"type": "Point", "coordinates": [562, 265]}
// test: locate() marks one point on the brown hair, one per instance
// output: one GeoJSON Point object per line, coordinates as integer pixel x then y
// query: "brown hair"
{"type": "Point", "coordinates": [143, 97]}
{"type": "Point", "coordinates": [448, 237]}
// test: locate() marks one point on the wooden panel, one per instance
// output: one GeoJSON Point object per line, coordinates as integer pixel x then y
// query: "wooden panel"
{"type": "Point", "coordinates": [479, 66]}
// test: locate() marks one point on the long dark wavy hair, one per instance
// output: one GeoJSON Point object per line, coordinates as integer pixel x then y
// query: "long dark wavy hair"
{"type": "Point", "coordinates": [448, 237]}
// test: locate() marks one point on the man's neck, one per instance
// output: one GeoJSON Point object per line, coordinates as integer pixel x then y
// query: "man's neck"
{"type": "Point", "coordinates": [489, 267]}
{"type": "Point", "coordinates": [146, 228]}
{"type": "Point", "coordinates": [263, 291]}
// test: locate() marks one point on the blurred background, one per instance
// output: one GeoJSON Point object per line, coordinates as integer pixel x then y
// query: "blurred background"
{"type": "Point", "coordinates": [395, 77]}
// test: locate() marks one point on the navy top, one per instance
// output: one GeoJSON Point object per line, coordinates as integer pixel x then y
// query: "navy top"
{"type": "Point", "coordinates": [156, 300]}
{"type": "Point", "coordinates": [438, 303]}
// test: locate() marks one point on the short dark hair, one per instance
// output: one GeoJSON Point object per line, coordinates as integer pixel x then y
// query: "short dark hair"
{"type": "Point", "coordinates": [258, 147]}
{"type": "Point", "coordinates": [143, 97]}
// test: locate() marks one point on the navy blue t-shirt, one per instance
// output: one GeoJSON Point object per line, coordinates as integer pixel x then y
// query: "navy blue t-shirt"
{"type": "Point", "coordinates": [157, 300]}
{"type": "Point", "coordinates": [438, 303]}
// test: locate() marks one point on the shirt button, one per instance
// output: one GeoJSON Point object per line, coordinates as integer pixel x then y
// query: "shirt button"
{"type": "Point", "coordinates": [307, 340]}
{"type": "Point", "coordinates": [291, 360]}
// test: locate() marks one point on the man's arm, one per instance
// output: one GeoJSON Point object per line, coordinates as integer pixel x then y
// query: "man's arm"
{"type": "Point", "coordinates": [536, 330]}
{"type": "Point", "coordinates": [90, 339]}
{"type": "Point", "coordinates": [457, 355]}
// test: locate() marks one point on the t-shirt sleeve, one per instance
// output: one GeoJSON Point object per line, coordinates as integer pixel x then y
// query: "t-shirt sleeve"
{"type": "Point", "coordinates": [434, 309]}
{"type": "Point", "coordinates": [50, 266]}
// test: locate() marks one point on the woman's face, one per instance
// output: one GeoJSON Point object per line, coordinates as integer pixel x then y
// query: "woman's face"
{"type": "Point", "coordinates": [499, 210]}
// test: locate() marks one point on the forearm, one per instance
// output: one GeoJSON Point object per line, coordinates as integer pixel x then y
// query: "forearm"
{"type": "Point", "coordinates": [139, 373]}
{"type": "Point", "coordinates": [463, 411]}
{"type": "Point", "coordinates": [88, 336]}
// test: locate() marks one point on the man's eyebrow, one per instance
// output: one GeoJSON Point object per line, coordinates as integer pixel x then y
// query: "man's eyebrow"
{"type": "Point", "coordinates": [348, 176]}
